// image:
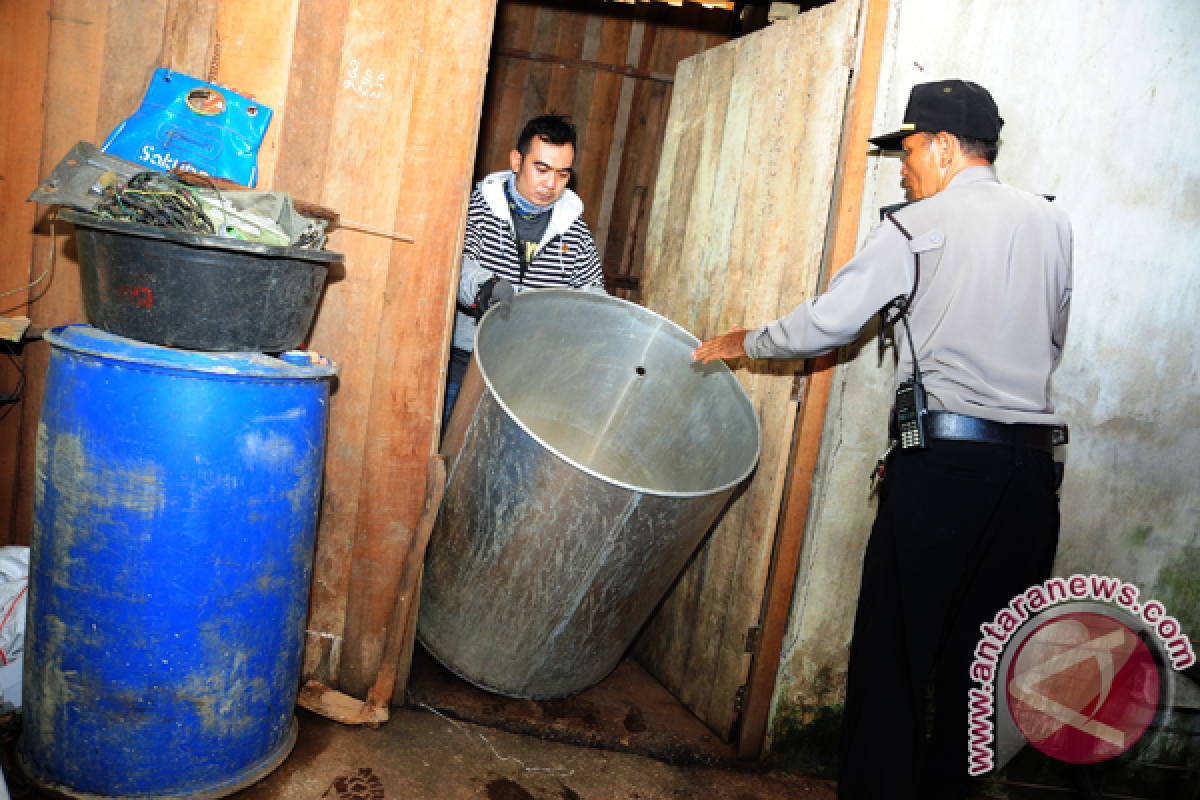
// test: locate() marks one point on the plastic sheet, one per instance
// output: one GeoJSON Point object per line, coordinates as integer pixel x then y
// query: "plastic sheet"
{"type": "Point", "coordinates": [200, 127]}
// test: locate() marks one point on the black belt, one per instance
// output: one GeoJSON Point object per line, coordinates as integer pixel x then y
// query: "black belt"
{"type": "Point", "coordinates": [961, 428]}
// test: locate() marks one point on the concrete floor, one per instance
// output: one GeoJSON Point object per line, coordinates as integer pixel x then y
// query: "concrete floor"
{"type": "Point", "coordinates": [602, 745]}
{"type": "Point", "coordinates": [418, 754]}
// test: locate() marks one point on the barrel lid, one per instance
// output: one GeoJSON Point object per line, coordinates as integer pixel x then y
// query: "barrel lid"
{"type": "Point", "coordinates": [93, 342]}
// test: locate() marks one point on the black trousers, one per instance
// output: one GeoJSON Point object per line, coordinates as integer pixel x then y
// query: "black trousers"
{"type": "Point", "coordinates": [962, 528]}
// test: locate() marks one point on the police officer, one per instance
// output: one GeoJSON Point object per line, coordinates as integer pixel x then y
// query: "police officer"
{"type": "Point", "coordinates": [978, 275]}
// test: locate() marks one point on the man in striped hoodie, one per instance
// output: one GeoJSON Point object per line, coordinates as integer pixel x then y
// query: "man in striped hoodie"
{"type": "Point", "coordinates": [525, 230]}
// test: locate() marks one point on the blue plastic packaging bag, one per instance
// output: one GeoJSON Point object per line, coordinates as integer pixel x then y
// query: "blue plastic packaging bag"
{"type": "Point", "coordinates": [194, 125]}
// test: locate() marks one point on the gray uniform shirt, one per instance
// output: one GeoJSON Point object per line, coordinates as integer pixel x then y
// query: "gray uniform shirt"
{"type": "Point", "coordinates": [990, 312]}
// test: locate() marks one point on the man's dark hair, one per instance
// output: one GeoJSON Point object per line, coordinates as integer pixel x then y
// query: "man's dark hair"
{"type": "Point", "coordinates": [979, 148]}
{"type": "Point", "coordinates": [554, 128]}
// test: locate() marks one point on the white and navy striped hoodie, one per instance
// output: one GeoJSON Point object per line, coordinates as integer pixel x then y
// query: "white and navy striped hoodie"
{"type": "Point", "coordinates": [566, 257]}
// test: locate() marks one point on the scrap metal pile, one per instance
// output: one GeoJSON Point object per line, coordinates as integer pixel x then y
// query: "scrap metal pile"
{"type": "Point", "coordinates": [95, 182]}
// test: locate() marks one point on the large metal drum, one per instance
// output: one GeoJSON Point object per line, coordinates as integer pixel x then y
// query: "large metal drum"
{"type": "Point", "coordinates": [588, 457]}
{"type": "Point", "coordinates": [175, 514]}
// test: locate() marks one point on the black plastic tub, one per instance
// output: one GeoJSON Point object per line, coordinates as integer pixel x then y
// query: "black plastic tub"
{"type": "Point", "coordinates": [180, 289]}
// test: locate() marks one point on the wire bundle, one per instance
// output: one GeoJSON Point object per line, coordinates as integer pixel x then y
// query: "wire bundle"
{"type": "Point", "coordinates": [153, 198]}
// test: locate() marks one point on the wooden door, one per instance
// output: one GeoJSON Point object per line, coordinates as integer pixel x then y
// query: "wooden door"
{"type": "Point", "coordinates": [736, 237]}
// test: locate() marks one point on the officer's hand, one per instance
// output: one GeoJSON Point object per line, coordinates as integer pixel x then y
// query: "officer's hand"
{"type": "Point", "coordinates": [727, 345]}
{"type": "Point", "coordinates": [502, 297]}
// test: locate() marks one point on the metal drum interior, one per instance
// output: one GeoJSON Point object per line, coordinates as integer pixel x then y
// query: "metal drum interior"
{"type": "Point", "coordinates": [588, 457]}
{"type": "Point", "coordinates": [612, 387]}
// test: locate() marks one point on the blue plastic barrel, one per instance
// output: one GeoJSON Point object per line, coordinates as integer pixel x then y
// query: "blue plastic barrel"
{"type": "Point", "coordinates": [175, 514]}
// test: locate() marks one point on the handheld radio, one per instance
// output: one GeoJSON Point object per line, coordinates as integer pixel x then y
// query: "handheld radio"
{"type": "Point", "coordinates": [910, 415]}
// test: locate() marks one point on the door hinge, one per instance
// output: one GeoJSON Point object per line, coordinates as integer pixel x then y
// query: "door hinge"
{"type": "Point", "coordinates": [739, 698]}
{"type": "Point", "coordinates": [753, 634]}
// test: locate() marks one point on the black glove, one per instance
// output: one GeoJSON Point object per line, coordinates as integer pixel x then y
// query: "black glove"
{"type": "Point", "coordinates": [494, 292]}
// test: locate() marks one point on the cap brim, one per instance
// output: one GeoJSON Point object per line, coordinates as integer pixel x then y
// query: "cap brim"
{"type": "Point", "coordinates": [893, 140]}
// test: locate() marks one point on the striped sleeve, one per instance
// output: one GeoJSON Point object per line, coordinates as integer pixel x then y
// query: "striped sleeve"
{"type": "Point", "coordinates": [476, 209]}
{"type": "Point", "coordinates": [587, 271]}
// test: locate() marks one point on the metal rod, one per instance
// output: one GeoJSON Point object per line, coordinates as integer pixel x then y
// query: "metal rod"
{"type": "Point", "coordinates": [358, 226]}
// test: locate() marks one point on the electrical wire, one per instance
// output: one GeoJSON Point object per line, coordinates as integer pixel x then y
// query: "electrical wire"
{"type": "Point", "coordinates": [49, 262]}
{"type": "Point", "coordinates": [153, 198]}
{"type": "Point", "coordinates": [562, 771]}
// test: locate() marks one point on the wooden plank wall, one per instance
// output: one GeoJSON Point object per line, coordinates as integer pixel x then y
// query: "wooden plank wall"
{"type": "Point", "coordinates": [735, 236]}
{"type": "Point", "coordinates": [73, 69]}
{"type": "Point", "coordinates": [24, 31]}
{"type": "Point", "coordinates": [362, 124]}
{"type": "Point", "coordinates": [620, 120]}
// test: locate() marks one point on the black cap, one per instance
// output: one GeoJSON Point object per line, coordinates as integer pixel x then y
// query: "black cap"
{"type": "Point", "coordinates": [958, 107]}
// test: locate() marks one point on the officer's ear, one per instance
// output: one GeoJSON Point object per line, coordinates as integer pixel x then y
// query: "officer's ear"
{"type": "Point", "coordinates": [515, 160]}
{"type": "Point", "coordinates": [944, 148]}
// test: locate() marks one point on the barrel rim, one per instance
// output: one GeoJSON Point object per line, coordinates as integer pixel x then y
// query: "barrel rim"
{"type": "Point", "coordinates": [244, 778]}
{"type": "Point", "coordinates": [255, 365]}
{"type": "Point", "coordinates": [117, 227]}
{"type": "Point", "coordinates": [598, 298]}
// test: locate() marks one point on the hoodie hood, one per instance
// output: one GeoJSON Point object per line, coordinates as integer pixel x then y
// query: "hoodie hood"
{"type": "Point", "coordinates": [567, 208]}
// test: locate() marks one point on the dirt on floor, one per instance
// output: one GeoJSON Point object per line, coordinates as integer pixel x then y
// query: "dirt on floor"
{"type": "Point", "coordinates": [418, 754]}
{"type": "Point", "coordinates": [421, 755]}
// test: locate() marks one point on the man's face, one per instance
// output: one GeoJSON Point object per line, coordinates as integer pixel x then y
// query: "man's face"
{"type": "Point", "coordinates": [542, 176]}
{"type": "Point", "coordinates": [921, 171]}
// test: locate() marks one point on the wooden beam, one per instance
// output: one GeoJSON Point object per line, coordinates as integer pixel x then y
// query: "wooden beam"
{"type": "Point", "coordinates": [601, 114]}
{"type": "Point", "coordinates": [807, 440]}
{"type": "Point", "coordinates": [77, 37]}
{"type": "Point", "coordinates": [318, 159]}
{"type": "Point", "coordinates": [631, 228]}
{"type": "Point", "coordinates": [502, 119]}
{"type": "Point", "coordinates": [620, 131]}
{"type": "Point", "coordinates": [561, 92]}
{"type": "Point", "coordinates": [629, 72]}
{"type": "Point", "coordinates": [663, 47]}
{"type": "Point", "coordinates": [312, 88]}
{"type": "Point", "coordinates": [256, 56]}
{"type": "Point", "coordinates": [189, 37]}
{"type": "Point", "coordinates": [71, 71]}
{"type": "Point", "coordinates": [368, 132]}
{"type": "Point", "coordinates": [584, 89]}
{"type": "Point", "coordinates": [460, 71]}
{"type": "Point", "coordinates": [449, 58]}
{"type": "Point", "coordinates": [24, 31]}
{"type": "Point", "coordinates": [615, 280]}
{"type": "Point", "coordinates": [131, 54]}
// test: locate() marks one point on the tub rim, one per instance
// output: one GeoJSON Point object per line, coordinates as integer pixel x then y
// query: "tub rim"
{"type": "Point", "coordinates": [723, 370]}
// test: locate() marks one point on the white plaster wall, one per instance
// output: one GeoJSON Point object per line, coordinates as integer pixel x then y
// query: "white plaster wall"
{"type": "Point", "coordinates": [1100, 103]}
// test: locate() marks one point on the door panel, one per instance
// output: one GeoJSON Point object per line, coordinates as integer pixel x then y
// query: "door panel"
{"type": "Point", "coordinates": [736, 236]}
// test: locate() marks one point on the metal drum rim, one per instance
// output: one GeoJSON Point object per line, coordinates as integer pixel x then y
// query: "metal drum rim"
{"type": "Point", "coordinates": [637, 309]}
